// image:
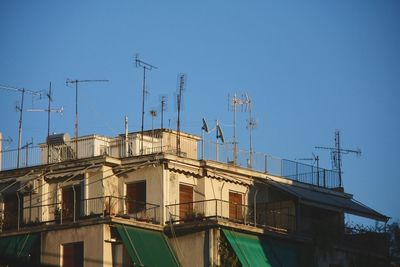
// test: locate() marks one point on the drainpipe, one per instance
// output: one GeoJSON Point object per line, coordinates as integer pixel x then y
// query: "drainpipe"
{"type": "Point", "coordinates": [255, 207]}
{"type": "Point", "coordinates": [245, 197]}
{"type": "Point", "coordinates": [18, 210]}
{"type": "Point", "coordinates": [74, 210]}
{"type": "Point", "coordinates": [222, 187]}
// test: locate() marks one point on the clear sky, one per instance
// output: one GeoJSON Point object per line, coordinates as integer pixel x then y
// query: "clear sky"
{"type": "Point", "coordinates": [310, 67]}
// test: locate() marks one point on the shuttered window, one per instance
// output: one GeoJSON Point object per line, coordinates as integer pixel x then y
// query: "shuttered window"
{"type": "Point", "coordinates": [185, 200]}
{"type": "Point", "coordinates": [136, 197]}
{"type": "Point", "coordinates": [235, 206]}
{"type": "Point", "coordinates": [68, 202]}
{"type": "Point", "coordinates": [11, 211]}
{"type": "Point", "coordinates": [72, 255]}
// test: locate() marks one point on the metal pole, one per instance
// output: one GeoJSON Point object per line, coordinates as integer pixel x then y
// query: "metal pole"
{"type": "Point", "coordinates": [202, 144]}
{"type": "Point", "coordinates": [76, 118]}
{"type": "Point", "coordinates": [20, 126]}
{"type": "Point", "coordinates": [143, 95]}
{"type": "Point", "coordinates": [48, 124]}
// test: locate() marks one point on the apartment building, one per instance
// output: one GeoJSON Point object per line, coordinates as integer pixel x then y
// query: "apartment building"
{"type": "Point", "coordinates": [143, 200]}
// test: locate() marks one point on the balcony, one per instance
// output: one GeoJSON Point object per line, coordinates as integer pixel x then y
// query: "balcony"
{"type": "Point", "coordinates": [72, 212]}
{"type": "Point", "coordinates": [277, 220]}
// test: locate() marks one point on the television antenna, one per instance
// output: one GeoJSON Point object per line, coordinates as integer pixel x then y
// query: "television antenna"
{"type": "Point", "coordinates": [181, 88]}
{"type": "Point", "coordinates": [146, 66]}
{"type": "Point", "coordinates": [163, 103]}
{"type": "Point", "coordinates": [251, 124]}
{"type": "Point", "coordinates": [48, 110]}
{"type": "Point", "coordinates": [336, 155]}
{"type": "Point", "coordinates": [76, 82]}
{"type": "Point", "coordinates": [20, 108]}
{"type": "Point", "coordinates": [315, 160]}
{"type": "Point", "coordinates": [234, 102]}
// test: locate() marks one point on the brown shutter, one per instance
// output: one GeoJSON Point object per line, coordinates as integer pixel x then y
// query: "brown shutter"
{"type": "Point", "coordinates": [68, 202]}
{"type": "Point", "coordinates": [185, 200]}
{"type": "Point", "coordinates": [136, 197]}
{"type": "Point", "coordinates": [73, 255]}
{"type": "Point", "coordinates": [235, 206]}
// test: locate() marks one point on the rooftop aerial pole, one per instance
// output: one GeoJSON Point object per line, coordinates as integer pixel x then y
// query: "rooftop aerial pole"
{"type": "Point", "coordinates": [181, 88]}
{"type": "Point", "coordinates": [20, 108]}
{"type": "Point", "coordinates": [234, 102]}
{"type": "Point", "coordinates": [76, 82]}
{"type": "Point", "coordinates": [48, 110]}
{"type": "Point", "coordinates": [146, 66]}
{"type": "Point", "coordinates": [336, 155]}
{"type": "Point", "coordinates": [251, 124]}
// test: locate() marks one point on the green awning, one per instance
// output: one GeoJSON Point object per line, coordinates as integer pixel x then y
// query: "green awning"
{"type": "Point", "coordinates": [17, 247]}
{"type": "Point", "coordinates": [280, 254]}
{"type": "Point", "coordinates": [247, 248]}
{"type": "Point", "coordinates": [146, 247]}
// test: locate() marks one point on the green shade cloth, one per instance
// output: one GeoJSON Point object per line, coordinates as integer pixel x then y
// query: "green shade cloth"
{"type": "Point", "coordinates": [17, 246]}
{"type": "Point", "coordinates": [146, 247]}
{"type": "Point", "coordinates": [280, 254]}
{"type": "Point", "coordinates": [248, 249]}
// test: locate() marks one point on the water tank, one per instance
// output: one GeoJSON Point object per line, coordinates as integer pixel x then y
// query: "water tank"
{"type": "Point", "coordinates": [58, 139]}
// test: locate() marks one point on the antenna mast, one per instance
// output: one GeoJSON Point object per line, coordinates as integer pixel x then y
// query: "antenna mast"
{"type": "Point", "coordinates": [181, 88]}
{"type": "Point", "coordinates": [20, 108]}
{"type": "Point", "coordinates": [146, 66]}
{"type": "Point", "coordinates": [237, 101]}
{"type": "Point", "coordinates": [251, 124]}
{"type": "Point", "coordinates": [48, 110]}
{"type": "Point", "coordinates": [336, 155]}
{"type": "Point", "coordinates": [68, 82]}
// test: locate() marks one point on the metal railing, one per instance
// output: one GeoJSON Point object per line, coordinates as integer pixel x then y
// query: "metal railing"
{"type": "Point", "coordinates": [120, 147]}
{"type": "Point", "coordinates": [270, 164]}
{"type": "Point", "coordinates": [216, 209]}
{"type": "Point", "coordinates": [59, 213]}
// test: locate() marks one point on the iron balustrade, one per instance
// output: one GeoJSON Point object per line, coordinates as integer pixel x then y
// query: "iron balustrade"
{"type": "Point", "coordinates": [221, 210]}
{"type": "Point", "coordinates": [52, 213]}
{"type": "Point", "coordinates": [120, 148]}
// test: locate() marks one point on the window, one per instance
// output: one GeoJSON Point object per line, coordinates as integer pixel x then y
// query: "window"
{"type": "Point", "coordinates": [185, 200]}
{"type": "Point", "coordinates": [71, 202]}
{"type": "Point", "coordinates": [72, 254]}
{"type": "Point", "coordinates": [11, 211]}
{"type": "Point", "coordinates": [136, 197]}
{"type": "Point", "coordinates": [235, 206]}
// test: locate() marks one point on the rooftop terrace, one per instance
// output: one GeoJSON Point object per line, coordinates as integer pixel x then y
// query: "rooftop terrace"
{"type": "Point", "coordinates": [63, 148]}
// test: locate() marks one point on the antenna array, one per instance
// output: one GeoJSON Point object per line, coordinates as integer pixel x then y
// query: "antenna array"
{"type": "Point", "coordinates": [181, 88]}
{"type": "Point", "coordinates": [76, 82]}
{"type": "Point", "coordinates": [235, 101]}
{"type": "Point", "coordinates": [336, 155]}
{"type": "Point", "coordinates": [146, 66]}
{"type": "Point", "coordinates": [20, 108]}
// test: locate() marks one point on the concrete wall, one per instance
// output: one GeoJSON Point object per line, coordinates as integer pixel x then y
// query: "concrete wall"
{"type": "Point", "coordinates": [193, 250]}
{"type": "Point", "coordinates": [94, 247]}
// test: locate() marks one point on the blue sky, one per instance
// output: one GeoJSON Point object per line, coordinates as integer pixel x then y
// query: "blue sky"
{"type": "Point", "coordinates": [310, 67]}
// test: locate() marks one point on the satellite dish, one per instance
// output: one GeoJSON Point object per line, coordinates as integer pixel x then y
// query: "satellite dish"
{"type": "Point", "coordinates": [205, 126]}
{"type": "Point", "coordinates": [220, 134]}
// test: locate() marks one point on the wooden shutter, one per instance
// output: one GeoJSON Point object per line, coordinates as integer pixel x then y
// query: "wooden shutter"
{"type": "Point", "coordinates": [136, 197]}
{"type": "Point", "coordinates": [68, 202]}
{"type": "Point", "coordinates": [235, 206]}
{"type": "Point", "coordinates": [72, 255]}
{"type": "Point", "coordinates": [185, 200]}
{"type": "Point", "coordinates": [11, 211]}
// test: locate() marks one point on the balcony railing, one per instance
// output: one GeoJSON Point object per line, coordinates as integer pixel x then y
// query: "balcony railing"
{"type": "Point", "coordinates": [121, 148]}
{"type": "Point", "coordinates": [60, 213]}
{"type": "Point", "coordinates": [220, 210]}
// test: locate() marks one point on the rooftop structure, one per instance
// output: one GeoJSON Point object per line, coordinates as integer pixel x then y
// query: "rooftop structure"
{"type": "Point", "coordinates": [115, 202]}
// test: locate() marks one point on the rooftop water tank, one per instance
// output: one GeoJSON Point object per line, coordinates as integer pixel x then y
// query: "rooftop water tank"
{"type": "Point", "coordinates": [58, 139]}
